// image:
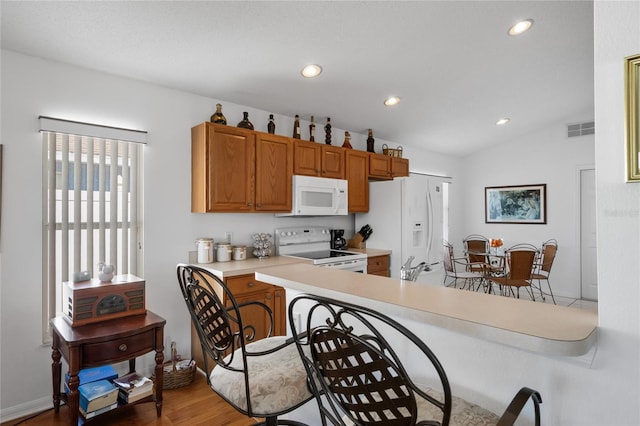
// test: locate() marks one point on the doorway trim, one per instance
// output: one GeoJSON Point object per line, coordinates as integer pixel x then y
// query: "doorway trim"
{"type": "Point", "coordinates": [578, 267]}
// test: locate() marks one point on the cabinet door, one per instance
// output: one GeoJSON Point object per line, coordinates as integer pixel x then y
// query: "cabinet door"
{"type": "Point", "coordinates": [378, 265]}
{"type": "Point", "coordinates": [399, 167]}
{"type": "Point", "coordinates": [280, 311]}
{"type": "Point", "coordinates": [230, 169]}
{"type": "Point", "coordinates": [357, 163]}
{"type": "Point", "coordinates": [256, 316]}
{"type": "Point", "coordinates": [332, 162]}
{"type": "Point", "coordinates": [306, 158]}
{"type": "Point", "coordinates": [274, 167]}
{"type": "Point", "coordinates": [379, 166]}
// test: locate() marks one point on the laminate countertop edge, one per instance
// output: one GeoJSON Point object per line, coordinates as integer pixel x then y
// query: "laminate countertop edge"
{"type": "Point", "coordinates": [537, 327]}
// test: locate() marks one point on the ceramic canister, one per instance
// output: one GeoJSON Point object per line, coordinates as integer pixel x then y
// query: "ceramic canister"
{"type": "Point", "coordinates": [205, 250]}
{"type": "Point", "coordinates": [223, 252]}
{"type": "Point", "coordinates": [239, 252]}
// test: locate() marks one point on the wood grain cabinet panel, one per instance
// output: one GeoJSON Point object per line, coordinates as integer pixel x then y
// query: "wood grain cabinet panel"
{"type": "Point", "coordinates": [333, 165]}
{"type": "Point", "coordinates": [315, 159]}
{"type": "Point", "coordinates": [245, 288]}
{"type": "Point", "coordinates": [399, 167]}
{"type": "Point", "coordinates": [239, 170]}
{"type": "Point", "coordinates": [357, 163]}
{"type": "Point", "coordinates": [378, 265]}
{"type": "Point", "coordinates": [274, 168]}
{"type": "Point", "coordinates": [380, 166]}
{"type": "Point", "coordinates": [222, 169]}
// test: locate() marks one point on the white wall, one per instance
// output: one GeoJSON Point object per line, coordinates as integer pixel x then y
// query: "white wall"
{"type": "Point", "coordinates": [605, 393]}
{"type": "Point", "coordinates": [32, 87]}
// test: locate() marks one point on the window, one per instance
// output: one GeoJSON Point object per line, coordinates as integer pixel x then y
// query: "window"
{"type": "Point", "coordinates": [91, 204]}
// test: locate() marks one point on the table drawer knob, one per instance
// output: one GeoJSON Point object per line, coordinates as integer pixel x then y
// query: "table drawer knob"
{"type": "Point", "coordinates": [122, 347]}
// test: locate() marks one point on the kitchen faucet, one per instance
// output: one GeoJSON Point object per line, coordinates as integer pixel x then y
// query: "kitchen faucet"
{"type": "Point", "coordinates": [411, 273]}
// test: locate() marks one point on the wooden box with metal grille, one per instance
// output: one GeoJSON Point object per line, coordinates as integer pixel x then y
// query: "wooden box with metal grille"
{"type": "Point", "coordinates": [92, 301]}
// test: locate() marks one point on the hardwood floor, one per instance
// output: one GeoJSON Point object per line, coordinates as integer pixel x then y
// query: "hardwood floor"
{"type": "Point", "coordinates": [192, 405]}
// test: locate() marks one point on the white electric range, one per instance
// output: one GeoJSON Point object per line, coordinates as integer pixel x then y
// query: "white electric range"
{"type": "Point", "coordinates": [314, 243]}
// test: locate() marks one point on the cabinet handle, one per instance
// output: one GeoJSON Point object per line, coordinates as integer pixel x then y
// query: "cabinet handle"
{"type": "Point", "coordinates": [268, 297]}
{"type": "Point", "coordinates": [122, 347]}
{"type": "Point", "coordinates": [259, 205]}
{"type": "Point", "coordinates": [251, 284]}
{"type": "Point", "coordinates": [248, 204]}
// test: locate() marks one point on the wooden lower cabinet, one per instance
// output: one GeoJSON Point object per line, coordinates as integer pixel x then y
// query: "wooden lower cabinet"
{"type": "Point", "coordinates": [245, 288]}
{"type": "Point", "coordinates": [378, 265]}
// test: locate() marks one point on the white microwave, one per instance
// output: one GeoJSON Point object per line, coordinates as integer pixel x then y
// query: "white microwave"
{"type": "Point", "coordinates": [316, 196]}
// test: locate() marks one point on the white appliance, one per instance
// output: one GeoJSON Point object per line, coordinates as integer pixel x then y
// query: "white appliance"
{"type": "Point", "coordinates": [314, 243]}
{"type": "Point", "coordinates": [407, 217]}
{"type": "Point", "coordinates": [316, 196]}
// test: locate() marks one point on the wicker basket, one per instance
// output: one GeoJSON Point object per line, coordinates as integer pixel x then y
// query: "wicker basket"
{"type": "Point", "coordinates": [392, 152]}
{"type": "Point", "coordinates": [177, 377]}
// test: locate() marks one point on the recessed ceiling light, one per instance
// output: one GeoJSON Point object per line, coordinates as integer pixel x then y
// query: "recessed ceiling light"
{"type": "Point", "coordinates": [502, 121]}
{"type": "Point", "coordinates": [520, 27]}
{"type": "Point", "coordinates": [391, 101]}
{"type": "Point", "coordinates": [312, 70]}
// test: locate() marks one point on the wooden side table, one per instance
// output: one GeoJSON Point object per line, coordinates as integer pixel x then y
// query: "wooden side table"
{"type": "Point", "coordinates": [103, 343]}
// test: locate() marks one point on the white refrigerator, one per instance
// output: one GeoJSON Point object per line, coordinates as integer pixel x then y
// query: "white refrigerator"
{"type": "Point", "coordinates": [408, 217]}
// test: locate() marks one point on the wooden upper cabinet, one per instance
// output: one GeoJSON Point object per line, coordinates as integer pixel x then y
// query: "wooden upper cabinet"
{"type": "Point", "coordinates": [399, 167]}
{"type": "Point", "coordinates": [380, 166]}
{"type": "Point", "coordinates": [222, 169]}
{"type": "Point", "coordinates": [306, 158]}
{"type": "Point", "coordinates": [333, 163]}
{"type": "Point", "coordinates": [357, 166]}
{"type": "Point", "coordinates": [315, 159]}
{"type": "Point", "coordinates": [274, 168]}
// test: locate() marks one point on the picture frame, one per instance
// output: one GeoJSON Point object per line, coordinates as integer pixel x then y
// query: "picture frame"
{"type": "Point", "coordinates": [632, 118]}
{"type": "Point", "coordinates": [516, 204]}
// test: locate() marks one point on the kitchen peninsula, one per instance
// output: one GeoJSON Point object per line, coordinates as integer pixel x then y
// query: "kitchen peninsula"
{"type": "Point", "coordinates": [536, 327]}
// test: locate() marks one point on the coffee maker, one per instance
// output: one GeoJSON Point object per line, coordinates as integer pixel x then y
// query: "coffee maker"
{"type": "Point", "coordinates": [337, 240]}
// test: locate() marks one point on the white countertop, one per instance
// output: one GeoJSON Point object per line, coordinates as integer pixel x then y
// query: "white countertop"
{"type": "Point", "coordinates": [244, 267]}
{"type": "Point", "coordinates": [534, 326]}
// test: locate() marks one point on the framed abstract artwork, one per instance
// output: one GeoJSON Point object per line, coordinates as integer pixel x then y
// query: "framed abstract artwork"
{"type": "Point", "coordinates": [516, 204]}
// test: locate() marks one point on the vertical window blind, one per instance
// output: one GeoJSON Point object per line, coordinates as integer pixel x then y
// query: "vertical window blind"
{"type": "Point", "coordinates": [91, 204]}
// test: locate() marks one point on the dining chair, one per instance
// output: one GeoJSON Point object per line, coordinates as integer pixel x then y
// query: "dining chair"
{"type": "Point", "coordinates": [361, 373]}
{"type": "Point", "coordinates": [519, 264]}
{"type": "Point", "coordinates": [260, 378]}
{"type": "Point", "coordinates": [476, 248]}
{"type": "Point", "coordinates": [458, 269]}
{"type": "Point", "coordinates": [542, 268]}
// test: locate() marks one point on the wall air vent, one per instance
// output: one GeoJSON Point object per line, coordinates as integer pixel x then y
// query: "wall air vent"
{"type": "Point", "coordinates": [581, 129]}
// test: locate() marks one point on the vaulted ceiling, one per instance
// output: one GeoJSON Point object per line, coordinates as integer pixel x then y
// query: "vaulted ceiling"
{"type": "Point", "coordinates": [452, 63]}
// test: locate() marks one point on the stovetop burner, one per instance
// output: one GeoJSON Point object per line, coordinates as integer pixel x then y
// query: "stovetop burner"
{"type": "Point", "coordinates": [314, 243]}
{"type": "Point", "coordinates": [324, 254]}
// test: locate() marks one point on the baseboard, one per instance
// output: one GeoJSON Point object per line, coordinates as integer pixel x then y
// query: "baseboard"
{"type": "Point", "coordinates": [26, 409]}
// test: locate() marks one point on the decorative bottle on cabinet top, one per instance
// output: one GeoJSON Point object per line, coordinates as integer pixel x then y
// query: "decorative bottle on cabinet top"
{"type": "Point", "coordinates": [312, 130]}
{"type": "Point", "coordinates": [347, 140]}
{"type": "Point", "coordinates": [327, 131]}
{"type": "Point", "coordinates": [296, 127]}
{"type": "Point", "coordinates": [271, 125]}
{"type": "Point", "coordinates": [245, 123]}
{"type": "Point", "coordinates": [370, 142]}
{"type": "Point", "coordinates": [217, 116]}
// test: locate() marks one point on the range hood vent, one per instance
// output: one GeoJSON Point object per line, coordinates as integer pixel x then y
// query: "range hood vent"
{"type": "Point", "coordinates": [581, 129]}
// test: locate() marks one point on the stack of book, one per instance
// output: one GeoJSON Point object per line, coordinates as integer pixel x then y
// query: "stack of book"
{"type": "Point", "coordinates": [97, 397]}
{"type": "Point", "coordinates": [97, 394]}
{"type": "Point", "coordinates": [133, 387]}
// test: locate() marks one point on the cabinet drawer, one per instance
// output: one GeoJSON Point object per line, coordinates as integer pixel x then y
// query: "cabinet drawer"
{"type": "Point", "coordinates": [377, 264]}
{"type": "Point", "coordinates": [246, 284]}
{"type": "Point", "coordinates": [119, 349]}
